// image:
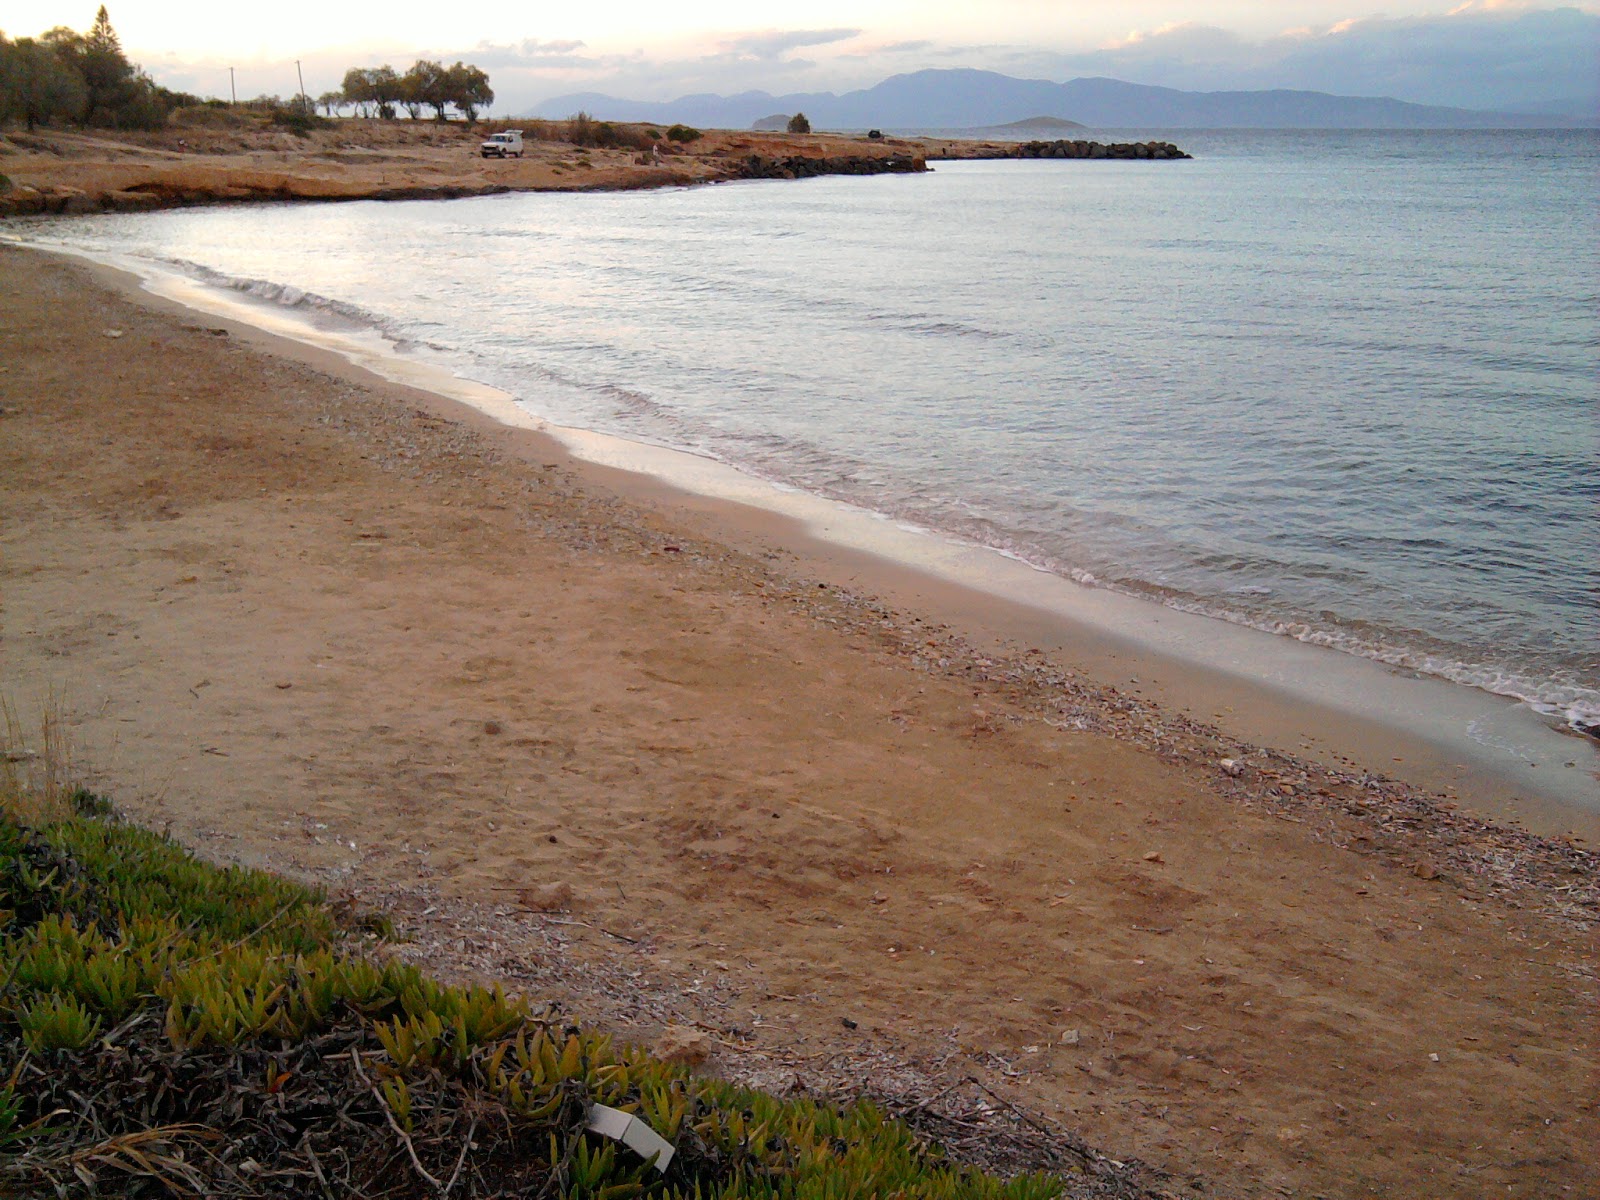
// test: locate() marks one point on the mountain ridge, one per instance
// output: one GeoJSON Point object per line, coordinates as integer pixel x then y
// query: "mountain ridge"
{"type": "Point", "coordinates": [955, 98]}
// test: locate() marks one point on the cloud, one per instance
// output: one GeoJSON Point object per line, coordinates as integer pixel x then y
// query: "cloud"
{"type": "Point", "coordinates": [774, 44]}
{"type": "Point", "coordinates": [529, 52]}
{"type": "Point", "coordinates": [1496, 54]}
{"type": "Point", "coordinates": [1481, 55]}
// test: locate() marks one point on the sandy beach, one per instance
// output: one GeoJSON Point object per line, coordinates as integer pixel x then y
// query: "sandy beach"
{"type": "Point", "coordinates": [674, 764]}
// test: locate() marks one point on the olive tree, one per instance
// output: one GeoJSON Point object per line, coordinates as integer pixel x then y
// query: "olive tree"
{"type": "Point", "coordinates": [37, 85]}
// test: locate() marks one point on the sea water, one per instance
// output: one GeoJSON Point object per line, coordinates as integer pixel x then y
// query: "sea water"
{"type": "Point", "coordinates": [1339, 386]}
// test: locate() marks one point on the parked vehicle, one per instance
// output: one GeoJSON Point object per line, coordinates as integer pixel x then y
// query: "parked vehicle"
{"type": "Point", "coordinates": [507, 144]}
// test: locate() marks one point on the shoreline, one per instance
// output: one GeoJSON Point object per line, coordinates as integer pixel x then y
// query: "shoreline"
{"type": "Point", "coordinates": [352, 631]}
{"type": "Point", "coordinates": [1492, 754]}
{"type": "Point", "coordinates": [359, 159]}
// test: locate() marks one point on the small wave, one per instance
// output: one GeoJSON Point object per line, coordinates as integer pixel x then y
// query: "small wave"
{"type": "Point", "coordinates": [923, 323]}
{"type": "Point", "coordinates": [285, 295]}
{"type": "Point", "coordinates": [1569, 704]}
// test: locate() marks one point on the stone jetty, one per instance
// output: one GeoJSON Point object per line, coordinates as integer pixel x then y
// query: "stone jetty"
{"type": "Point", "coordinates": [1077, 149]}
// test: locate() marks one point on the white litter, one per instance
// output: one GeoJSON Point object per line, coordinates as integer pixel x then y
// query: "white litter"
{"type": "Point", "coordinates": [632, 1133]}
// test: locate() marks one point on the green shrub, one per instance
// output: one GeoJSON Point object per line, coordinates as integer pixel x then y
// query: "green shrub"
{"type": "Point", "coordinates": [56, 1022]}
{"type": "Point", "coordinates": [298, 121]}
{"type": "Point", "coordinates": [683, 133]}
{"type": "Point", "coordinates": [581, 129]}
{"type": "Point", "coordinates": [210, 115]}
{"type": "Point", "coordinates": [627, 137]}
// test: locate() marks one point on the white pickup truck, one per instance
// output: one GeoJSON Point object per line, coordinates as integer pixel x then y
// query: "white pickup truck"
{"type": "Point", "coordinates": [507, 144]}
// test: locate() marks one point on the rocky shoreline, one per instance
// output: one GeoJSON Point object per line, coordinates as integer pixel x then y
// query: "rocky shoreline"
{"type": "Point", "coordinates": [1064, 148]}
{"type": "Point", "coordinates": [800, 166]}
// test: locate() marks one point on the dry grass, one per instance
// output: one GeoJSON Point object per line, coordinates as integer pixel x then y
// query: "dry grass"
{"type": "Point", "coordinates": [36, 772]}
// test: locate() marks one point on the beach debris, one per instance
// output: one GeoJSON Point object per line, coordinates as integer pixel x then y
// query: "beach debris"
{"type": "Point", "coordinates": [113, 333]}
{"type": "Point", "coordinates": [848, 1023]}
{"type": "Point", "coordinates": [682, 1044]}
{"type": "Point", "coordinates": [1154, 857]}
{"type": "Point", "coordinates": [1231, 766]}
{"type": "Point", "coordinates": [1070, 1037]}
{"type": "Point", "coordinates": [632, 1133]}
{"type": "Point", "coordinates": [546, 897]}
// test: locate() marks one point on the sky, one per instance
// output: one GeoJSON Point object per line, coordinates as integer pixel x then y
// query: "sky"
{"type": "Point", "coordinates": [1476, 53]}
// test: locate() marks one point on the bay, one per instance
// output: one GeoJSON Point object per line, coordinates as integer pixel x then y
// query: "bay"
{"type": "Point", "coordinates": [1336, 385]}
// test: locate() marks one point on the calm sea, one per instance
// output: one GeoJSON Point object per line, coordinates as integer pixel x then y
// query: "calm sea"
{"type": "Point", "coordinates": [1339, 386]}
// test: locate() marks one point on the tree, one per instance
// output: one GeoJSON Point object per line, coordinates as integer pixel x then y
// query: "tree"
{"type": "Point", "coordinates": [357, 90]}
{"type": "Point", "coordinates": [110, 81]}
{"type": "Point", "coordinates": [36, 84]}
{"type": "Point", "coordinates": [413, 85]}
{"type": "Point", "coordinates": [799, 124]}
{"type": "Point", "coordinates": [432, 86]}
{"type": "Point", "coordinates": [331, 102]}
{"type": "Point", "coordinates": [469, 90]}
{"type": "Point", "coordinates": [385, 90]}
{"type": "Point", "coordinates": [373, 90]}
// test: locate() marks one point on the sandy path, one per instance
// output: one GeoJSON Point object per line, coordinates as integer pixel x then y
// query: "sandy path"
{"type": "Point", "coordinates": [329, 625]}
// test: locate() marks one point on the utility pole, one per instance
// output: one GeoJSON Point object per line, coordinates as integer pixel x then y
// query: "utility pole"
{"type": "Point", "coordinates": [232, 91]}
{"type": "Point", "coordinates": [305, 100]}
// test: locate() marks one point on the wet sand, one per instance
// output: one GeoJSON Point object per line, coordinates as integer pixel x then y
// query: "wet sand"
{"type": "Point", "coordinates": [851, 822]}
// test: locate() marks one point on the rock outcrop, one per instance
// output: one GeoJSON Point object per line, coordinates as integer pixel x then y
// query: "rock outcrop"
{"type": "Point", "coordinates": [800, 166]}
{"type": "Point", "coordinates": [1079, 149]}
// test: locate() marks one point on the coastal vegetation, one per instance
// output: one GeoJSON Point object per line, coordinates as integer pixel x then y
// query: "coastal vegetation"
{"type": "Point", "coordinates": [381, 92]}
{"type": "Point", "coordinates": [81, 78]}
{"type": "Point", "coordinates": [170, 1027]}
{"type": "Point", "coordinates": [86, 79]}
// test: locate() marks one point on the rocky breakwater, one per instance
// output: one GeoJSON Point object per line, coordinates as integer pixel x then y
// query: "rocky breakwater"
{"type": "Point", "coordinates": [1119, 150]}
{"type": "Point", "coordinates": [800, 166]}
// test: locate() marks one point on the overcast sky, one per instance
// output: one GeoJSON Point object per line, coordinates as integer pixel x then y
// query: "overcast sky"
{"type": "Point", "coordinates": [1481, 53]}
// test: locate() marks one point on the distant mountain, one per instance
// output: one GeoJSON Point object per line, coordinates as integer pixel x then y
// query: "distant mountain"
{"type": "Point", "coordinates": [1584, 109]}
{"type": "Point", "coordinates": [966, 99]}
{"type": "Point", "coordinates": [776, 123]}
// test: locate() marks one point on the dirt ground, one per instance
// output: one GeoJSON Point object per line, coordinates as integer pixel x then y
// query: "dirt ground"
{"type": "Point", "coordinates": [305, 619]}
{"type": "Point", "coordinates": [356, 159]}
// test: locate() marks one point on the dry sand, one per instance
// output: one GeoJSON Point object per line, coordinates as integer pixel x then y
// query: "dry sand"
{"type": "Point", "coordinates": [309, 620]}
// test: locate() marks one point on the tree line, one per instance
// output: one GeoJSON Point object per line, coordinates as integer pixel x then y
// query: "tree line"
{"type": "Point", "coordinates": [84, 78]}
{"type": "Point", "coordinates": [381, 92]}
